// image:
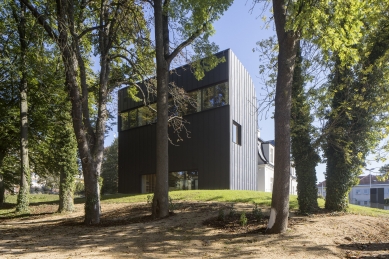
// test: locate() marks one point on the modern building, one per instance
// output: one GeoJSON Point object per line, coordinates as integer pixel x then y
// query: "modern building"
{"type": "Point", "coordinates": [221, 151]}
{"type": "Point", "coordinates": [265, 172]}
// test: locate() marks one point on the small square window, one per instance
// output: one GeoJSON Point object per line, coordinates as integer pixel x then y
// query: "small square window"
{"type": "Point", "coordinates": [236, 133]}
{"type": "Point", "coordinates": [366, 191]}
{"type": "Point", "coordinates": [365, 203]}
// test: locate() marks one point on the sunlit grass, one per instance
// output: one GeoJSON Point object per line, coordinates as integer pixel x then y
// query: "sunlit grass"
{"type": "Point", "coordinates": [263, 199]}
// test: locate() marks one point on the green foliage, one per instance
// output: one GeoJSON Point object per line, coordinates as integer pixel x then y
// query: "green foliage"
{"type": "Point", "coordinates": [109, 170]}
{"type": "Point", "coordinates": [257, 212]}
{"type": "Point", "coordinates": [305, 157]}
{"type": "Point", "coordinates": [243, 219]}
{"type": "Point", "coordinates": [232, 210]}
{"type": "Point", "coordinates": [357, 121]}
{"type": "Point", "coordinates": [79, 188]}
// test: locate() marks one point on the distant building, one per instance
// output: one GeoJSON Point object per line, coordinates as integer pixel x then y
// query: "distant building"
{"type": "Point", "coordinates": [321, 189]}
{"type": "Point", "coordinates": [369, 192]}
{"type": "Point", "coordinates": [265, 172]}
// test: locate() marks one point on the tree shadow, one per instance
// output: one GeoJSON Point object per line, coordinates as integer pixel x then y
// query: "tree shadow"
{"type": "Point", "coordinates": [366, 246]}
{"type": "Point", "coordinates": [129, 232]}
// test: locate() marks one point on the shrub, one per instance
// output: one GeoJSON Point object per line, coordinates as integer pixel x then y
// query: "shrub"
{"type": "Point", "coordinates": [257, 212]}
{"type": "Point", "coordinates": [243, 219]}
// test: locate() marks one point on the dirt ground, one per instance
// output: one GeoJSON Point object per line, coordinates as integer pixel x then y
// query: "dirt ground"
{"type": "Point", "coordinates": [127, 232]}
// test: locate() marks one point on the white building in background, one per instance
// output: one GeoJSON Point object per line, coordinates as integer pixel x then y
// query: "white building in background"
{"type": "Point", "coordinates": [321, 189]}
{"type": "Point", "coordinates": [265, 173]}
{"type": "Point", "coordinates": [370, 192]}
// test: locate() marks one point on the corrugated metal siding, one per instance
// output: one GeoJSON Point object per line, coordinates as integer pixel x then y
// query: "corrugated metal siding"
{"type": "Point", "coordinates": [243, 158]}
{"type": "Point", "coordinates": [207, 150]}
{"type": "Point", "coordinates": [136, 157]}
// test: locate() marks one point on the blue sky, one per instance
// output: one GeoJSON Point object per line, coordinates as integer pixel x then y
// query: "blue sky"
{"type": "Point", "coordinates": [240, 29]}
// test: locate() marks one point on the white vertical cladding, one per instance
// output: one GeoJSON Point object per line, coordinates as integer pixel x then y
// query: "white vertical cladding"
{"type": "Point", "coordinates": [243, 158]}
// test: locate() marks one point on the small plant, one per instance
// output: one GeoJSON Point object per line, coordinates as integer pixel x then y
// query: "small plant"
{"type": "Point", "coordinates": [243, 219]}
{"type": "Point", "coordinates": [172, 205]}
{"type": "Point", "coordinates": [257, 212]}
{"type": "Point", "coordinates": [150, 198]}
{"type": "Point", "coordinates": [222, 215]}
{"type": "Point", "coordinates": [232, 211]}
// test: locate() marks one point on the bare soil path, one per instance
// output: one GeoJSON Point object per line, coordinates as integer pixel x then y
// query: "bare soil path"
{"type": "Point", "coordinates": [127, 232]}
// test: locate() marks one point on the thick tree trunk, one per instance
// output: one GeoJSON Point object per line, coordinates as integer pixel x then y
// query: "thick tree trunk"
{"type": "Point", "coordinates": [304, 155]}
{"type": "Point", "coordinates": [278, 221]}
{"type": "Point", "coordinates": [161, 196]}
{"type": "Point", "coordinates": [24, 190]}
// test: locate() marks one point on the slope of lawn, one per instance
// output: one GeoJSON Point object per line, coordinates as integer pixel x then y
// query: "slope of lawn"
{"type": "Point", "coordinates": [263, 199]}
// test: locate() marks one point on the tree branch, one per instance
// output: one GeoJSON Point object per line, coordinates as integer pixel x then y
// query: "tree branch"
{"type": "Point", "coordinates": [41, 19]}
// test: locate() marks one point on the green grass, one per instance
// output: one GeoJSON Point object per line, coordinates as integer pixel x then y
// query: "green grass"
{"type": "Point", "coordinates": [355, 209]}
{"type": "Point", "coordinates": [263, 199]}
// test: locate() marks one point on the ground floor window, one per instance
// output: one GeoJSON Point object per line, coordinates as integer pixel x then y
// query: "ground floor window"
{"type": "Point", "coordinates": [148, 183]}
{"type": "Point", "coordinates": [182, 180]}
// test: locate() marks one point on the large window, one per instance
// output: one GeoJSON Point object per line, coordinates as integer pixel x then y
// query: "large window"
{"type": "Point", "coordinates": [202, 99]}
{"type": "Point", "coordinates": [236, 133]}
{"type": "Point", "coordinates": [138, 117]}
{"type": "Point", "coordinates": [215, 96]}
{"type": "Point", "coordinates": [181, 180]}
{"type": "Point", "coordinates": [184, 180]}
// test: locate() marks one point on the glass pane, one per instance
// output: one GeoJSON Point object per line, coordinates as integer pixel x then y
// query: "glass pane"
{"type": "Point", "coordinates": [221, 95]}
{"type": "Point", "coordinates": [194, 104]}
{"type": "Point", "coordinates": [183, 180]}
{"type": "Point", "coordinates": [215, 96]}
{"type": "Point", "coordinates": [125, 122]}
{"type": "Point", "coordinates": [146, 115]}
{"type": "Point", "coordinates": [132, 118]}
{"type": "Point", "coordinates": [173, 109]}
{"type": "Point", "coordinates": [234, 133]}
{"type": "Point", "coordinates": [208, 100]}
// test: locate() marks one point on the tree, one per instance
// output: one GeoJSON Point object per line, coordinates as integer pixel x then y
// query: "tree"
{"type": "Point", "coordinates": [70, 24]}
{"type": "Point", "coordinates": [314, 21]}
{"type": "Point", "coordinates": [357, 120]}
{"type": "Point", "coordinates": [193, 21]}
{"type": "Point", "coordinates": [304, 154]}
{"type": "Point", "coordinates": [109, 171]}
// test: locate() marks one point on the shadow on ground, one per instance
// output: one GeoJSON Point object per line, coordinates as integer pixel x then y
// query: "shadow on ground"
{"type": "Point", "coordinates": [127, 232]}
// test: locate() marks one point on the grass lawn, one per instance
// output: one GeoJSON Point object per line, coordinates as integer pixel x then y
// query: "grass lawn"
{"type": "Point", "coordinates": [263, 199]}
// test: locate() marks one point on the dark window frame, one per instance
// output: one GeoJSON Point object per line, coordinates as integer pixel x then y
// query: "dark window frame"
{"type": "Point", "coordinates": [237, 133]}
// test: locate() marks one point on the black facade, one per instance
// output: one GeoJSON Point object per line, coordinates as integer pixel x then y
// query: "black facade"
{"type": "Point", "coordinates": [208, 150]}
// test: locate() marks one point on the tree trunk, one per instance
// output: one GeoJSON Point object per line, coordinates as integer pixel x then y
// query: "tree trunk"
{"type": "Point", "coordinates": [66, 190]}
{"type": "Point", "coordinates": [278, 221]}
{"type": "Point", "coordinates": [304, 155]}
{"type": "Point", "coordinates": [161, 194]}
{"type": "Point", "coordinates": [2, 191]}
{"type": "Point", "coordinates": [24, 191]}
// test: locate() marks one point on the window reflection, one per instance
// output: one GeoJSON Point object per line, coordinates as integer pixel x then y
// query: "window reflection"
{"type": "Point", "coordinates": [184, 180]}
{"type": "Point", "coordinates": [215, 96]}
{"type": "Point", "coordinates": [203, 99]}
{"type": "Point", "coordinates": [146, 115]}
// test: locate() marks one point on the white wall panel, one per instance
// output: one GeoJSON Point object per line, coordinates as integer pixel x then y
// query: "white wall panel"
{"type": "Point", "coordinates": [243, 158]}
